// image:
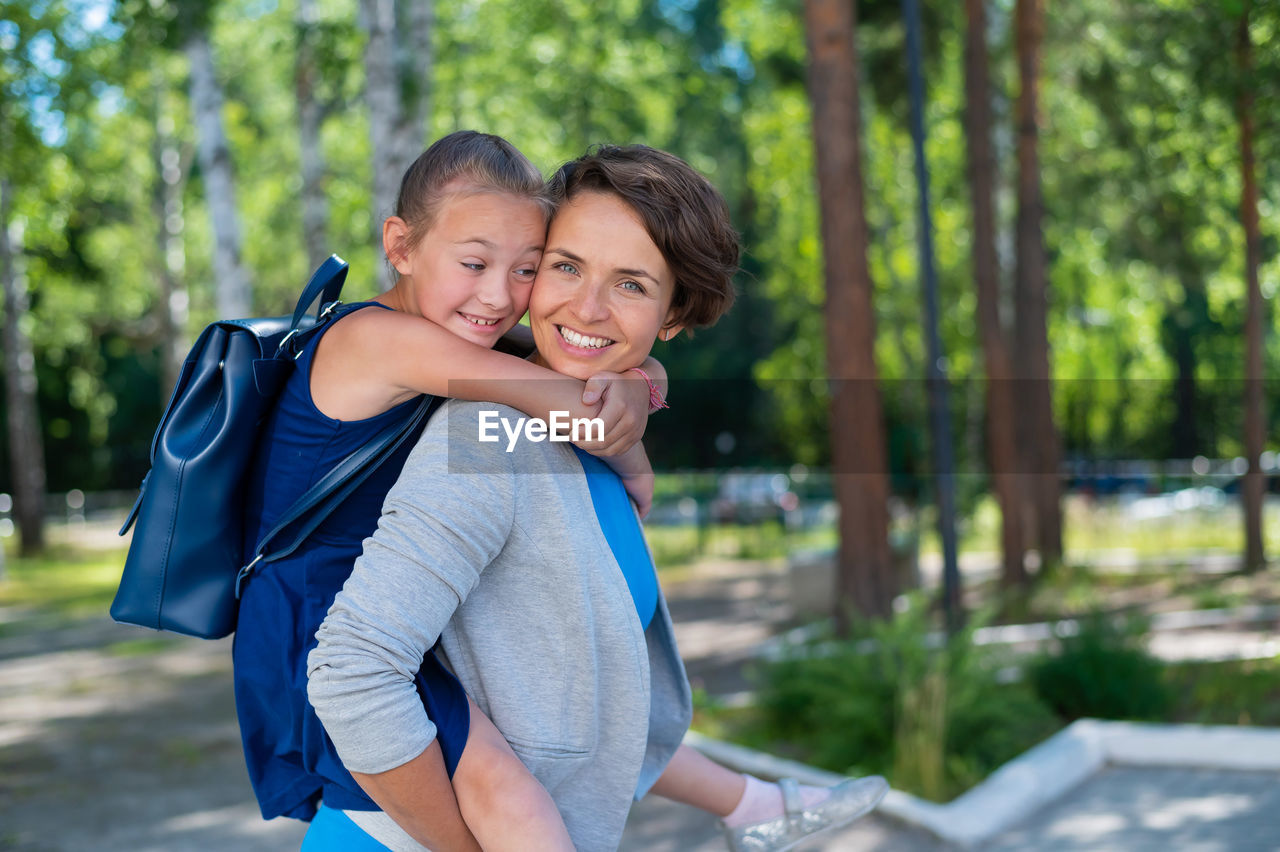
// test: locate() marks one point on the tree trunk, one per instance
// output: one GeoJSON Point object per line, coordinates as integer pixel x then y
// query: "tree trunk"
{"type": "Point", "coordinates": [417, 20]}
{"type": "Point", "coordinates": [865, 575]}
{"type": "Point", "coordinates": [397, 61]}
{"type": "Point", "coordinates": [1041, 452]}
{"type": "Point", "coordinates": [170, 264]}
{"type": "Point", "coordinates": [1183, 324]}
{"type": "Point", "coordinates": [1002, 411]}
{"type": "Point", "coordinates": [1254, 416]}
{"type": "Point", "coordinates": [315, 204]}
{"type": "Point", "coordinates": [26, 451]}
{"type": "Point", "coordinates": [232, 284]}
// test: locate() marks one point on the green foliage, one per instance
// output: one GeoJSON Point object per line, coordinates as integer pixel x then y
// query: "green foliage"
{"type": "Point", "coordinates": [1237, 692]}
{"type": "Point", "coordinates": [1102, 671]}
{"type": "Point", "coordinates": [897, 699]}
{"type": "Point", "coordinates": [1139, 166]}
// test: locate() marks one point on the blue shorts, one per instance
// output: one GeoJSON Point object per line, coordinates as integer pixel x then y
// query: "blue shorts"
{"type": "Point", "coordinates": [333, 831]}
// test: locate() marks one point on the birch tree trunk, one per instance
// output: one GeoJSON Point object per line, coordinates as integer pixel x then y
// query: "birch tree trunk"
{"type": "Point", "coordinates": [417, 20]}
{"type": "Point", "coordinates": [1254, 412]}
{"type": "Point", "coordinates": [26, 450]}
{"type": "Point", "coordinates": [1040, 437]}
{"type": "Point", "coordinates": [311, 112]}
{"type": "Point", "coordinates": [864, 570]}
{"type": "Point", "coordinates": [232, 284]}
{"type": "Point", "coordinates": [166, 206]}
{"type": "Point", "coordinates": [1002, 437]}
{"type": "Point", "coordinates": [398, 61]}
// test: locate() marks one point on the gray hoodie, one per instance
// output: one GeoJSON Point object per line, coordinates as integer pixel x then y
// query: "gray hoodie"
{"type": "Point", "coordinates": [500, 555]}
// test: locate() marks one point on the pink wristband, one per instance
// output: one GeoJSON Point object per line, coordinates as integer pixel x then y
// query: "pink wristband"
{"type": "Point", "coordinates": [656, 401]}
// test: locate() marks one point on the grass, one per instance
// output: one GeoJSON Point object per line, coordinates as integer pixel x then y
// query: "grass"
{"type": "Point", "coordinates": [677, 545]}
{"type": "Point", "coordinates": [1090, 527]}
{"type": "Point", "coordinates": [66, 580]}
{"type": "Point", "coordinates": [1093, 526]}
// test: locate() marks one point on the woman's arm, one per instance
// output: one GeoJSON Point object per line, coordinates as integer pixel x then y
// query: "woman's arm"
{"type": "Point", "coordinates": [439, 530]}
{"type": "Point", "coordinates": [400, 791]}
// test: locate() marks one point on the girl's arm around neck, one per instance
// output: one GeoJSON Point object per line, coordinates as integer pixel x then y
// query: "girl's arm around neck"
{"type": "Point", "coordinates": [376, 359]}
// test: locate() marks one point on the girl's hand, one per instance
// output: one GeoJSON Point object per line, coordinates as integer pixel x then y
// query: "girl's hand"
{"type": "Point", "coordinates": [640, 489]}
{"type": "Point", "coordinates": [624, 408]}
{"type": "Point", "coordinates": [636, 472]}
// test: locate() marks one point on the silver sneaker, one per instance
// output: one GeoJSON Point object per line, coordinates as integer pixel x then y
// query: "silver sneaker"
{"type": "Point", "coordinates": [848, 801]}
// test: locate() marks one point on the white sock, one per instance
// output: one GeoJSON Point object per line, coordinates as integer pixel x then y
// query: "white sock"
{"type": "Point", "coordinates": [762, 800]}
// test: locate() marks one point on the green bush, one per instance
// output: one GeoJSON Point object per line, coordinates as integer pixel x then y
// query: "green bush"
{"type": "Point", "coordinates": [898, 700]}
{"type": "Point", "coordinates": [1102, 671]}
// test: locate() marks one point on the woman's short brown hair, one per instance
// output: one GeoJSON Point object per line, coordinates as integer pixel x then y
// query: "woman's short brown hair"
{"type": "Point", "coordinates": [684, 215]}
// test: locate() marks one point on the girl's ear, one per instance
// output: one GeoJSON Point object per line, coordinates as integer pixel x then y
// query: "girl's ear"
{"type": "Point", "coordinates": [395, 236]}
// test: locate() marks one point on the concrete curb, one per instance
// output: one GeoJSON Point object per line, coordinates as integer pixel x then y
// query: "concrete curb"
{"type": "Point", "coordinates": [1040, 775]}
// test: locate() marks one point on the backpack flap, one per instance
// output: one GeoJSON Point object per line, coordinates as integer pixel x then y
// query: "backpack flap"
{"type": "Point", "coordinates": [270, 374]}
{"type": "Point", "coordinates": [188, 538]}
{"type": "Point", "coordinates": [189, 515]}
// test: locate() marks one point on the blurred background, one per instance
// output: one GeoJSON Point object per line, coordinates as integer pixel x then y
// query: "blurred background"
{"type": "Point", "coordinates": [1002, 354]}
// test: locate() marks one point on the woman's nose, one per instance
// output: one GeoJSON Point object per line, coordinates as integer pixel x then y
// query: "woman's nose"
{"type": "Point", "coordinates": [589, 304]}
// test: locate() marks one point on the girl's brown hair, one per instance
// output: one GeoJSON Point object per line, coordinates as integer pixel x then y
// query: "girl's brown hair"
{"type": "Point", "coordinates": [463, 162]}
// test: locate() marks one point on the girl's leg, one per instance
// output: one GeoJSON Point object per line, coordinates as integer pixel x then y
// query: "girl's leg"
{"type": "Point", "coordinates": [502, 803]}
{"type": "Point", "coordinates": [743, 800]}
{"type": "Point", "coordinates": [694, 779]}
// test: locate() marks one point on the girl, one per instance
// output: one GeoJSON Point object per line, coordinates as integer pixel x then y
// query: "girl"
{"type": "Point", "coordinates": [465, 244]}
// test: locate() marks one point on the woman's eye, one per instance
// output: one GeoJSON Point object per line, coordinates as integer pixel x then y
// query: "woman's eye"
{"type": "Point", "coordinates": [633, 286]}
{"type": "Point", "coordinates": [566, 267]}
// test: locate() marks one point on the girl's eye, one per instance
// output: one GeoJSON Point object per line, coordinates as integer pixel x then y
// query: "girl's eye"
{"type": "Point", "coordinates": [527, 272]}
{"type": "Point", "coordinates": [474, 267]}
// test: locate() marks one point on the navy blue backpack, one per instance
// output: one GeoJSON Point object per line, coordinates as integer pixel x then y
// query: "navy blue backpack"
{"type": "Point", "coordinates": [186, 560]}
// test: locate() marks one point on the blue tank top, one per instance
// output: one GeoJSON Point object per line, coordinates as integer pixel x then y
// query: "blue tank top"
{"type": "Point", "coordinates": [290, 759]}
{"type": "Point", "coordinates": [622, 532]}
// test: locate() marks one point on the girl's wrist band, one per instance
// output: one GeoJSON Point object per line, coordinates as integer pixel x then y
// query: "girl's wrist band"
{"type": "Point", "coordinates": [656, 400]}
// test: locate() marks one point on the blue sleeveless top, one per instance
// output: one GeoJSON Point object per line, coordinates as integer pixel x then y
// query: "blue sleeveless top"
{"type": "Point", "coordinates": [291, 761]}
{"type": "Point", "coordinates": [622, 531]}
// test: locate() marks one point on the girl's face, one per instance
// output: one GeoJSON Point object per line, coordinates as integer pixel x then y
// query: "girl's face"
{"type": "Point", "coordinates": [473, 270]}
{"type": "Point", "coordinates": [604, 289]}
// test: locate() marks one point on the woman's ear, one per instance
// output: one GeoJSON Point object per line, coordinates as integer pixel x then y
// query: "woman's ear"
{"type": "Point", "coordinates": [395, 236]}
{"type": "Point", "coordinates": [669, 331]}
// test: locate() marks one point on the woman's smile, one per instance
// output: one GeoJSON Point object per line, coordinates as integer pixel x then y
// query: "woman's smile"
{"type": "Point", "coordinates": [578, 340]}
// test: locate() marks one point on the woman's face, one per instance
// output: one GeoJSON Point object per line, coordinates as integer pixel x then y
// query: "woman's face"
{"type": "Point", "coordinates": [603, 290]}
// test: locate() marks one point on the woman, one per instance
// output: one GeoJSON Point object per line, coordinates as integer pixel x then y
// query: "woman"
{"type": "Point", "coordinates": [529, 567]}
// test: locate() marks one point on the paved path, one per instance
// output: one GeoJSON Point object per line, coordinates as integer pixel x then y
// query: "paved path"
{"type": "Point", "coordinates": [1156, 810]}
{"type": "Point", "coordinates": [115, 740]}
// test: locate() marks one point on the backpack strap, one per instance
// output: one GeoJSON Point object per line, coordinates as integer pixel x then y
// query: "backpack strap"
{"type": "Point", "coordinates": [319, 501]}
{"type": "Point", "coordinates": [326, 283]}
